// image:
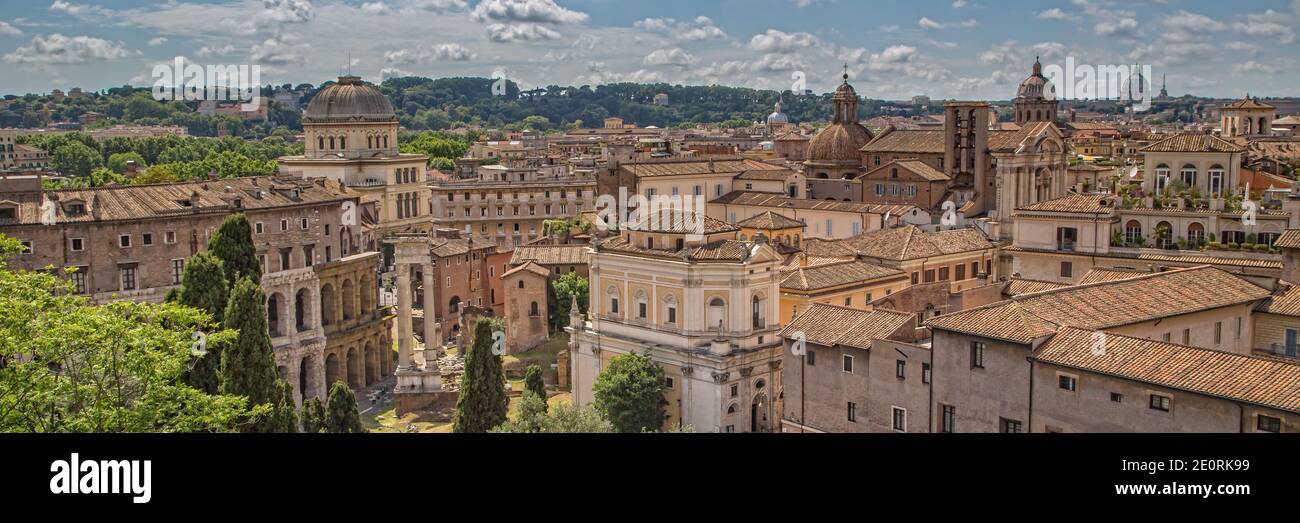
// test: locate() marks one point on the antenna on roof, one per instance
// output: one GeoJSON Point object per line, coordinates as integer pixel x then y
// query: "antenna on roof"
{"type": "Point", "coordinates": [349, 63]}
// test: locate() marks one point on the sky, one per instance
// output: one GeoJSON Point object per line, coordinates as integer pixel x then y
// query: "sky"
{"type": "Point", "coordinates": [894, 49]}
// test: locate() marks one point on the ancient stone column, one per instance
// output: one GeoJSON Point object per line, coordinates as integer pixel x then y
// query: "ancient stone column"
{"type": "Point", "coordinates": [403, 316]}
{"type": "Point", "coordinates": [431, 334]}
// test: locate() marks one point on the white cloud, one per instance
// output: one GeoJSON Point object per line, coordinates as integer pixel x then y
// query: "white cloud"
{"type": "Point", "coordinates": [674, 56]}
{"type": "Point", "coordinates": [206, 51]}
{"type": "Point", "coordinates": [155, 42]}
{"type": "Point", "coordinates": [1057, 13]}
{"type": "Point", "coordinates": [927, 23]}
{"type": "Point", "coordinates": [58, 49]}
{"type": "Point", "coordinates": [435, 6]}
{"type": "Point", "coordinates": [1269, 24]}
{"type": "Point", "coordinates": [1256, 68]}
{"type": "Point", "coordinates": [534, 11]}
{"type": "Point", "coordinates": [502, 33]}
{"type": "Point", "coordinates": [774, 41]}
{"type": "Point", "coordinates": [374, 7]}
{"type": "Point", "coordinates": [702, 28]}
{"type": "Point", "coordinates": [6, 29]}
{"type": "Point", "coordinates": [451, 52]}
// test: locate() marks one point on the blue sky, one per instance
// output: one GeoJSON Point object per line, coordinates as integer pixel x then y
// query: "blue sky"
{"type": "Point", "coordinates": [975, 49]}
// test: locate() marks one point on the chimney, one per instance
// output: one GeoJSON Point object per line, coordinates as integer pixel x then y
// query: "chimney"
{"type": "Point", "coordinates": [803, 260]}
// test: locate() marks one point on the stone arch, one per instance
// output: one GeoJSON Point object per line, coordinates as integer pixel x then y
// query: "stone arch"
{"type": "Point", "coordinates": [373, 370]}
{"type": "Point", "coordinates": [349, 300]}
{"type": "Point", "coordinates": [1195, 233]}
{"type": "Point", "coordinates": [760, 413]}
{"type": "Point", "coordinates": [327, 304]}
{"type": "Point", "coordinates": [275, 314]}
{"type": "Point", "coordinates": [1167, 241]}
{"type": "Point", "coordinates": [355, 379]}
{"type": "Point", "coordinates": [1133, 231]}
{"type": "Point", "coordinates": [366, 292]}
{"type": "Point", "coordinates": [453, 305]}
{"type": "Point", "coordinates": [304, 377]}
{"type": "Point", "coordinates": [333, 370]}
{"type": "Point", "coordinates": [302, 310]}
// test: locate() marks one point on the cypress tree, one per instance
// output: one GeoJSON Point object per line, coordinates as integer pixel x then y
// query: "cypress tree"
{"type": "Point", "coordinates": [203, 286]}
{"type": "Point", "coordinates": [483, 403]}
{"type": "Point", "coordinates": [233, 244]}
{"type": "Point", "coordinates": [341, 410]}
{"type": "Point", "coordinates": [313, 416]}
{"type": "Point", "coordinates": [248, 364]}
{"type": "Point", "coordinates": [284, 418]}
{"type": "Point", "coordinates": [533, 383]}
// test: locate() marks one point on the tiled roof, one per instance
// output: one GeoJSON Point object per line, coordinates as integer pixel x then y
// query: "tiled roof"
{"type": "Point", "coordinates": [906, 141]}
{"type": "Point", "coordinates": [1012, 140]}
{"type": "Point", "coordinates": [1289, 239]}
{"type": "Point", "coordinates": [137, 202]}
{"type": "Point", "coordinates": [444, 247]}
{"type": "Point", "coordinates": [721, 250]}
{"type": "Point", "coordinates": [1103, 305]}
{"type": "Point", "coordinates": [1269, 382]}
{"type": "Point", "coordinates": [1248, 103]}
{"type": "Point", "coordinates": [1104, 274]}
{"type": "Point", "coordinates": [767, 199]}
{"type": "Point", "coordinates": [916, 167]}
{"type": "Point", "coordinates": [830, 325]}
{"type": "Point", "coordinates": [911, 243]}
{"type": "Point", "coordinates": [1191, 259]}
{"type": "Point", "coordinates": [828, 248]}
{"type": "Point", "coordinates": [1193, 143]}
{"type": "Point", "coordinates": [796, 260]}
{"type": "Point", "coordinates": [530, 266]}
{"type": "Point", "coordinates": [836, 275]}
{"type": "Point", "coordinates": [791, 136]}
{"type": "Point", "coordinates": [550, 254]}
{"type": "Point", "coordinates": [724, 165]}
{"type": "Point", "coordinates": [766, 174]}
{"type": "Point", "coordinates": [676, 221]}
{"type": "Point", "coordinates": [1285, 302]}
{"type": "Point", "coordinates": [770, 220]}
{"type": "Point", "coordinates": [1019, 286]}
{"type": "Point", "coordinates": [1074, 203]}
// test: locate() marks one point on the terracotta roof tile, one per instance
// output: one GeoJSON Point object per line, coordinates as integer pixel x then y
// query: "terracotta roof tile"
{"type": "Point", "coordinates": [1020, 286]}
{"type": "Point", "coordinates": [770, 220]}
{"type": "Point", "coordinates": [1269, 382]}
{"type": "Point", "coordinates": [917, 167]}
{"type": "Point", "coordinates": [530, 266]}
{"type": "Point", "coordinates": [1193, 143]}
{"type": "Point", "coordinates": [907, 141]}
{"type": "Point", "coordinates": [767, 199]}
{"type": "Point", "coordinates": [550, 254]}
{"type": "Point", "coordinates": [1285, 302]}
{"type": "Point", "coordinates": [676, 167]}
{"type": "Point", "coordinates": [1074, 204]}
{"type": "Point", "coordinates": [911, 243]}
{"type": "Point", "coordinates": [830, 325]}
{"type": "Point", "coordinates": [837, 275]}
{"type": "Point", "coordinates": [1289, 239]}
{"type": "Point", "coordinates": [1104, 274]}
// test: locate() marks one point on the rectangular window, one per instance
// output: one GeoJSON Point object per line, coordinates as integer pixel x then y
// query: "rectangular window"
{"type": "Point", "coordinates": [929, 276]}
{"type": "Point", "coordinates": [961, 271]}
{"type": "Point", "coordinates": [848, 364]}
{"type": "Point", "coordinates": [146, 239]}
{"type": "Point", "coordinates": [1218, 333]}
{"type": "Point", "coordinates": [900, 419]}
{"type": "Point", "coordinates": [943, 274]}
{"type": "Point", "coordinates": [1187, 336]}
{"type": "Point", "coordinates": [124, 241]}
{"type": "Point", "coordinates": [735, 390]}
{"type": "Point", "coordinates": [1238, 334]}
{"type": "Point", "coordinates": [811, 357]}
{"type": "Point", "coordinates": [78, 245]}
{"type": "Point", "coordinates": [948, 423]}
{"type": "Point", "coordinates": [925, 373]}
{"type": "Point", "coordinates": [1067, 269]}
{"type": "Point", "coordinates": [257, 227]}
{"type": "Point", "coordinates": [1117, 397]}
{"type": "Point", "coordinates": [916, 278]}
{"type": "Point", "coordinates": [1268, 424]}
{"type": "Point", "coordinates": [1160, 403]}
{"type": "Point", "coordinates": [1009, 426]}
{"type": "Point", "coordinates": [178, 270]}
{"type": "Point", "coordinates": [848, 302]}
{"type": "Point", "coordinates": [302, 224]}
{"type": "Point", "coordinates": [79, 279]}
{"type": "Point", "coordinates": [900, 369]}
{"type": "Point", "coordinates": [1069, 383]}
{"type": "Point", "coordinates": [284, 225]}
{"type": "Point", "coordinates": [169, 237]}
{"type": "Point", "coordinates": [853, 412]}
{"type": "Point", "coordinates": [668, 382]}
{"type": "Point", "coordinates": [672, 315]}
{"type": "Point", "coordinates": [128, 278]}
{"type": "Point", "coordinates": [977, 355]}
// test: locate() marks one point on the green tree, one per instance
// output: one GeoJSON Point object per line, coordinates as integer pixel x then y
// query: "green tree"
{"type": "Point", "coordinates": [233, 244]}
{"type": "Point", "coordinates": [68, 366]}
{"type": "Point", "coordinates": [313, 416]}
{"type": "Point", "coordinates": [285, 417]}
{"type": "Point", "coordinates": [204, 285]}
{"type": "Point", "coordinates": [563, 419]}
{"type": "Point", "coordinates": [248, 364]}
{"type": "Point", "coordinates": [102, 176]}
{"type": "Point", "coordinates": [76, 159]}
{"type": "Point", "coordinates": [630, 393]}
{"type": "Point", "coordinates": [341, 411]}
{"type": "Point", "coordinates": [117, 161]}
{"type": "Point", "coordinates": [533, 383]}
{"type": "Point", "coordinates": [530, 416]}
{"type": "Point", "coordinates": [483, 403]}
{"type": "Point", "coordinates": [564, 289]}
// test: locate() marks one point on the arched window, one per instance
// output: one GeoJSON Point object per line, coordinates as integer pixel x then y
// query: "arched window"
{"type": "Point", "coordinates": [343, 142]}
{"type": "Point", "coordinates": [370, 142]}
{"type": "Point", "coordinates": [331, 143]}
{"type": "Point", "coordinates": [320, 142]}
{"type": "Point", "coordinates": [453, 306]}
{"type": "Point", "coordinates": [612, 293]}
{"type": "Point", "coordinates": [670, 305]}
{"type": "Point", "coordinates": [1133, 232]}
{"type": "Point", "coordinates": [1195, 234]}
{"type": "Point", "coordinates": [521, 284]}
{"type": "Point", "coordinates": [302, 310]}
{"type": "Point", "coordinates": [756, 312]}
{"type": "Point", "coordinates": [273, 314]}
{"type": "Point", "coordinates": [1216, 181]}
{"type": "Point", "coordinates": [717, 314]}
{"type": "Point", "coordinates": [1164, 235]}
{"type": "Point", "coordinates": [1162, 177]}
{"type": "Point", "coordinates": [533, 310]}
{"type": "Point", "coordinates": [1188, 175]}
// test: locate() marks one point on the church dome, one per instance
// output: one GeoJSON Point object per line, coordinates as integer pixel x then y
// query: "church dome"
{"type": "Point", "coordinates": [1036, 86]}
{"type": "Point", "coordinates": [777, 117]}
{"type": "Point", "coordinates": [350, 99]}
{"type": "Point", "coordinates": [838, 143]}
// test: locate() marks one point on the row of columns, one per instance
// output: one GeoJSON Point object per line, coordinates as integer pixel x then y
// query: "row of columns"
{"type": "Point", "coordinates": [405, 339]}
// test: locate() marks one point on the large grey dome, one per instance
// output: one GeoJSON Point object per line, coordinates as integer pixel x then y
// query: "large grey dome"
{"type": "Point", "coordinates": [350, 99]}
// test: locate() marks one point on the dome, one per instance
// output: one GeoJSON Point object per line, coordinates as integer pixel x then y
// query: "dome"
{"type": "Point", "coordinates": [350, 99]}
{"type": "Point", "coordinates": [838, 143]}
{"type": "Point", "coordinates": [1036, 86]}
{"type": "Point", "coordinates": [777, 117]}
